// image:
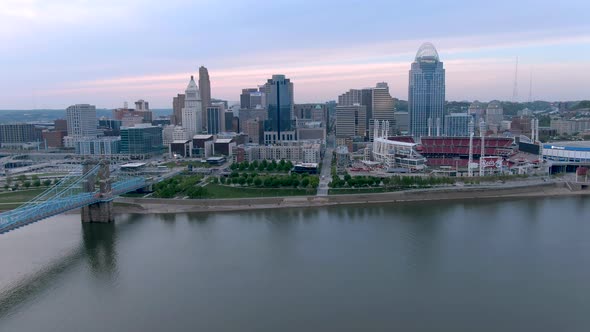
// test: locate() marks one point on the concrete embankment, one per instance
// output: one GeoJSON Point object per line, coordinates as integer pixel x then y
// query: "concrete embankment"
{"type": "Point", "coordinates": [156, 205]}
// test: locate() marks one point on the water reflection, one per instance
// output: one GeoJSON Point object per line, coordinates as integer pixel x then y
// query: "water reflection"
{"type": "Point", "coordinates": [97, 247]}
{"type": "Point", "coordinates": [99, 242]}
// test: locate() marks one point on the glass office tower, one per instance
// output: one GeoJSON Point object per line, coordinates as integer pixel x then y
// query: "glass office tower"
{"type": "Point", "coordinates": [426, 93]}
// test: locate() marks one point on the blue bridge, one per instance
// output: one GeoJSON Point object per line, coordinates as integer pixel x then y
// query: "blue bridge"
{"type": "Point", "coordinates": [93, 190]}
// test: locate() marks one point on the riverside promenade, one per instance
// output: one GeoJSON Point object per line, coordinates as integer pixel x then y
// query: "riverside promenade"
{"type": "Point", "coordinates": [158, 205]}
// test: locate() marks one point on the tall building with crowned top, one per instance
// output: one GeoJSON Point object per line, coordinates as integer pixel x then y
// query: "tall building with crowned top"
{"type": "Point", "coordinates": [426, 93]}
{"type": "Point", "coordinates": [192, 113]}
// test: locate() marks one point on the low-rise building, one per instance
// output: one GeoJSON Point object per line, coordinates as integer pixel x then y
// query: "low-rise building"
{"type": "Point", "coordinates": [141, 141]}
{"type": "Point", "coordinates": [296, 152]}
{"type": "Point", "coordinates": [102, 146]}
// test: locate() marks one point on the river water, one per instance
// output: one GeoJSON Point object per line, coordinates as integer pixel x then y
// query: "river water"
{"type": "Point", "coordinates": [519, 265]}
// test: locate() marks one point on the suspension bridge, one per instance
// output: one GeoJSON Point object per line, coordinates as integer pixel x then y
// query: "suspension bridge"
{"type": "Point", "coordinates": [92, 189]}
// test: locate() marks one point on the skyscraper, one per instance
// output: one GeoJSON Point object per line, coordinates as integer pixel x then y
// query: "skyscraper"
{"type": "Point", "coordinates": [383, 106]}
{"type": "Point", "coordinates": [177, 106]}
{"type": "Point", "coordinates": [192, 117]}
{"type": "Point", "coordinates": [350, 121]}
{"type": "Point", "coordinates": [279, 104]}
{"type": "Point", "coordinates": [205, 86]}
{"type": "Point", "coordinates": [494, 115]}
{"type": "Point", "coordinates": [214, 119]}
{"type": "Point", "coordinates": [426, 92]}
{"type": "Point", "coordinates": [252, 98]}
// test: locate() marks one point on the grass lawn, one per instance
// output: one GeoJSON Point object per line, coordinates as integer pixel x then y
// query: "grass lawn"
{"type": "Point", "coordinates": [13, 199]}
{"type": "Point", "coordinates": [220, 191]}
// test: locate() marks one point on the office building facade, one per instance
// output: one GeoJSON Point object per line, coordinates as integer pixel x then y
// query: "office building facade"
{"type": "Point", "coordinates": [177, 106]}
{"type": "Point", "coordinates": [457, 124]}
{"type": "Point", "coordinates": [81, 121]}
{"type": "Point", "coordinates": [350, 121]}
{"type": "Point", "coordinates": [279, 104]}
{"type": "Point", "coordinates": [214, 119]}
{"type": "Point", "coordinates": [141, 141]}
{"type": "Point", "coordinates": [383, 106]}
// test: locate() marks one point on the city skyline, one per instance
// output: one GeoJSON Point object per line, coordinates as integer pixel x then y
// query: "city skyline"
{"type": "Point", "coordinates": [479, 57]}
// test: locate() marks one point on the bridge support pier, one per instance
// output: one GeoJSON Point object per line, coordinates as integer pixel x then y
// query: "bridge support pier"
{"type": "Point", "coordinates": [102, 211]}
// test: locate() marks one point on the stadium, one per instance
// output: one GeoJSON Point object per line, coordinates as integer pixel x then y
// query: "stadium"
{"type": "Point", "coordinates": [566, 156]}
{"type": "Point", "coordinates": [454, 151]}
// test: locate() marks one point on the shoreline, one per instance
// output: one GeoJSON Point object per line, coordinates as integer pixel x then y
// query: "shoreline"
{"type": "Point", "coordinates": [167, 206]}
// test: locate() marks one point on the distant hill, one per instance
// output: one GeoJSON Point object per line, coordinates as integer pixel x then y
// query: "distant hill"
{"type": "Point", "coordinates": [582, 104]}
{"type": "Point", "coordinates": [48, 115]}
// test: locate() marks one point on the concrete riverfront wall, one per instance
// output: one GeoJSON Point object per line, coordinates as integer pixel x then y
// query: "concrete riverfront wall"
{"type": "Point", "coordinates": [158, 205]}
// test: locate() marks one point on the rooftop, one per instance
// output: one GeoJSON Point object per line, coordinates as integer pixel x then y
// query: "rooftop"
{"type": "Point", "coordinates": [223, 140]}
{"type": "Point", "coordinates": [133, 165]}
{"type": "Point", "coordinates": [427, 52]}
{"type": "Point", "coordinates": [579, 144]}
{"type": "Point", "coordinates": [203, 136]}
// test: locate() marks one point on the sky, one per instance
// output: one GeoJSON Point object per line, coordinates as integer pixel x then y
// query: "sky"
{"type": "Point", "coordinates": [55, 53]}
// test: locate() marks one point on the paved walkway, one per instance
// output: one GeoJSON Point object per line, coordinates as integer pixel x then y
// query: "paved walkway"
{"type": "Point", "coordinates": [326, 173]}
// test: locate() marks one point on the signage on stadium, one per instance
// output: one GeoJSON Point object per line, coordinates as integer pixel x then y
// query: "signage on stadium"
{"type": "Point", "coordinates": [491, 162]}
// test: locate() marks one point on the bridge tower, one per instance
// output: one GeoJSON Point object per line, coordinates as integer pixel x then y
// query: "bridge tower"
{"type": "Point", "coordinates": [102, 211]}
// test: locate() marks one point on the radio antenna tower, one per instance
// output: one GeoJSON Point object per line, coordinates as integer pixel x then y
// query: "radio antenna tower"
{"type": "Point", "coordinates": [515, 88]}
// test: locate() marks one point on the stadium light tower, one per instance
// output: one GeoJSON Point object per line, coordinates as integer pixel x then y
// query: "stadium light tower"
{"type": "Point", "coordinates": [482, 132]}
{"type": "Point", "coordinates": [470, 163]}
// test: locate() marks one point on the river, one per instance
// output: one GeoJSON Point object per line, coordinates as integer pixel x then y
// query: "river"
{"type": "Point", "coordinates": [521, 265]}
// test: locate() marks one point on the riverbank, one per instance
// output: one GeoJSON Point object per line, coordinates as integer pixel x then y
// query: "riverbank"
{"type": "Point", "coordinates": [156, 205]}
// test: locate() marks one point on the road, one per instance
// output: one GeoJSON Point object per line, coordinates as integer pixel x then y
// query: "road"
{"type": "Point", "coordinates": [326, 173]}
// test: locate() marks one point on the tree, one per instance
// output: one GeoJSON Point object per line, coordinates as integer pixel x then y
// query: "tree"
{"type": "Point", "coordinates": [267, 181]}
{"type": "Point", "coordinates": [257, 181]}
{"type": "Point", "coordinates": [47, 183]}
{"type": "Point", "coordinates": [27, 184]}
{"type": "Point", "coordinates": [275, 182]}
{"type": "Point", "coordinates": [37, 183]}
{"type": "Point", "coordinates": [21, 178]}
{"type": "Point", "coordinates": [272, 166]}
{"type": "Point", "coordinates": [305, 182]}
{"type": "Point", "coordinates": [314, 182]}
{"type": "Point", "coordinates": [233, 166]}
{"type": "Point", "coordinates": [242, 180]}
{"type": "Point", "coordinates": [295, 182]}
{"type": "Point", "coordinates": [222, 180]}
{"type": "Point", "coordinates": [250, 180]}
{"type": "Point", "coordinates": [286, 181]}
{"type": "Point", "coordinates": [196, 192]}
